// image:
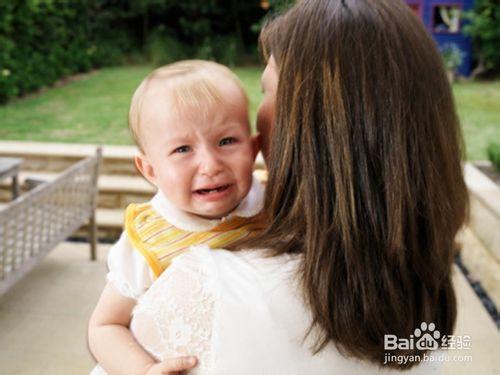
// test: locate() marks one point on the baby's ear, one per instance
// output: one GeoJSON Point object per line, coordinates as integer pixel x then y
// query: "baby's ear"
{"type": "Point", "coordinates": [144, 166]}
{"type": "Point", "coordinates": [256, 139]}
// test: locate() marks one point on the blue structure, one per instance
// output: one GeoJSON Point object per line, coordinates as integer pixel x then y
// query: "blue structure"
{"type": "Point", "coordinates": [444, 21]}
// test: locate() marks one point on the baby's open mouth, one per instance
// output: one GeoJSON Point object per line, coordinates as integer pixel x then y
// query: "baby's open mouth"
{"type": "Point", "coordinates": [217, 189]}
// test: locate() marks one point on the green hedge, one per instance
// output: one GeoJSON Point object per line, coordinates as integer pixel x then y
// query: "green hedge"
{"type": "Point", "coordinates": [494, 155]}
{"type": "Point", "coordinates": [44, 40]}
{"type": "Point", "coordinates": [484, 27]}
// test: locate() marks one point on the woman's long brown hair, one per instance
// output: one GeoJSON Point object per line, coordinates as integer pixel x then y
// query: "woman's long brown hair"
{"type": "Point", "coordinates": [365, 177]}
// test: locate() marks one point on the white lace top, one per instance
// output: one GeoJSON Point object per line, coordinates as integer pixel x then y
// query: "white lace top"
{"type": "Point", "coordinates": [239, 313]}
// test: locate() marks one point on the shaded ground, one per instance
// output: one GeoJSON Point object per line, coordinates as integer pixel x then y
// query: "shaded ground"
{"type": "Point", "coordinates": [490, 171]}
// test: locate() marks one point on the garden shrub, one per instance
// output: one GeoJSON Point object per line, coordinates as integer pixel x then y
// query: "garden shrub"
{"type": "Point", "coordinates": [452, 56]}
{"type": "Point", "coordinates": [226, 50]}
{"type": "Point", "coordinates": [163, 48]}
{"type": "Point", "coordinates": [38, 44]}
{"type": "Point", "coordinates": [42, 41]}
{"type": "Point", "coordinates": [494, 155]}
{"type": "Point", "coordinates": [484, 27]}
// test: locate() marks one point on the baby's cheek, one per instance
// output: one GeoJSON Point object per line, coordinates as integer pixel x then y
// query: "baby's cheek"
{"type": "Point", "coordinates": [246, 178]}
{"type": "Point", "coordinates": [175, 184]}
{"type": "Point", "coordinates": [244, 167]}
{"type": "Point", "coordinates": [176, 174]}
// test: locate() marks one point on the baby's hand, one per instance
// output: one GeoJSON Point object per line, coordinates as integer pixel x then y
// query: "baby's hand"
{"type": "Point", "coordinates": [172, 366]}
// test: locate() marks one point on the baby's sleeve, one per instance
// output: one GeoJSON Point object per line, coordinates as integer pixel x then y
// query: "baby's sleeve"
{"type": "Point", "coordinates": [128, 270]}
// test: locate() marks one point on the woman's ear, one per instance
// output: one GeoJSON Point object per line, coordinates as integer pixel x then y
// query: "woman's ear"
{"type": "Point", "coordinates": [256, 139]}
{"type": "Point", "coordinates": [144, 166]}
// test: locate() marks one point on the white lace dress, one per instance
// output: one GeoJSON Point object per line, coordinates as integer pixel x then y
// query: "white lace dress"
{"type": "Point", "coordinates": [239, 313]}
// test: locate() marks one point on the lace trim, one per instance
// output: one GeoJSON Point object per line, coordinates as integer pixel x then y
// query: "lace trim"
{"type": "Point", "coordinates": [175, 316]}
{"type": "Point", "coordinates": [124, 288]}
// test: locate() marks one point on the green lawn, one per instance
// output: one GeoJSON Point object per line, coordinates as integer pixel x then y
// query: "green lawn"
{"type": "Point", "coordinates": [478, 105]}
{"type": "Point", "coordinates": [93, 109]}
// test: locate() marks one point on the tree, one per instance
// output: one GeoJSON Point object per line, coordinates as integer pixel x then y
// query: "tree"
{"type": "Point", "coordinates": [484, 27]}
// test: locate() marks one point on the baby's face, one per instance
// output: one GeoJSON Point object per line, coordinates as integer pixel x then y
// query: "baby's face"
{"type": "Point", "coordinates": [203, 164]}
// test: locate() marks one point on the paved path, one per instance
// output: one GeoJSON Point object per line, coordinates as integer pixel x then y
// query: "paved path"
{"type": "Point", "coordinates": [43, 319]}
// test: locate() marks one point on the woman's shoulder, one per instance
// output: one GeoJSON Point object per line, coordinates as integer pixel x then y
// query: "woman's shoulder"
{"type": "Point", "coordinates": [247, 279]}
{"type": "Point", "coordinates": [251, 264]}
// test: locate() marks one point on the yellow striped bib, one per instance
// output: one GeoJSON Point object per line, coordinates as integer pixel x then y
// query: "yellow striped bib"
{"type": "Point", "coordinates": [159, 241]}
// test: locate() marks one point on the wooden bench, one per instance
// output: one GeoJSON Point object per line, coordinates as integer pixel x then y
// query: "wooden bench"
{"type": "Point", "coordinates": [34, 223]}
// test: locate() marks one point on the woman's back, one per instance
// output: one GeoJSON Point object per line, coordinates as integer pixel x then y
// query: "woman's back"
{"type": "Point", "coordinates": [240, 313]}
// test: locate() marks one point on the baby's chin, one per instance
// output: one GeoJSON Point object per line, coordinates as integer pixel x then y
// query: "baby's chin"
{"type": "Point", "coordinates": [218, 206]}
{"type": "Point", "coordinates": [213, 214]}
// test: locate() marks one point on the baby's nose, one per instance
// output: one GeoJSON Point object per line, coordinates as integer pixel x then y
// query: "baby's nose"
{"type": "Point", "coordinates": [210, 164]}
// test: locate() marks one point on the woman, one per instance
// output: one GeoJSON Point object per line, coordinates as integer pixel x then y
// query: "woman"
{"type": "Point", "coordinates": [364, 199]}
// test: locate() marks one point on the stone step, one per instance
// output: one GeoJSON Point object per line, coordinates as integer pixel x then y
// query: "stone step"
{"type": "Point", "coordinates": [55, 157]}
{"type": "Point", "coordinates": [110, 218]}
{"type": "Point", "coordinates": [119, 183]}
{"type": "Point", "coordinates": [484, 208]}
{"type": "Point", "coordinates": [105, 182]}
{"type": "Point", "coordinates": [481, 264]}
{"type": "Point", "coordinates": [115, 191]}
{"type": "Point", "coordinates": [481, 250]}
{"type": "Point", "coordinates": [109, 223]}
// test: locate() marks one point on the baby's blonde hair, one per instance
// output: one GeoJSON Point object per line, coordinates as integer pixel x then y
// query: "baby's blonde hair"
{"type": "Point", "coordinates": [192, 86]}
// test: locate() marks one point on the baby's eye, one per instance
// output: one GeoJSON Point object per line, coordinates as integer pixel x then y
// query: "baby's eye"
{"type": "Point", "coordinates": [227, 141]}
{"type": "Point", "coordinates": [182, 150]}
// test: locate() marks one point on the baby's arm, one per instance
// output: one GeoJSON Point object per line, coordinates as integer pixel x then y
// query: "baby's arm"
{"type": "Point", "coordinates": [113, 345]}
{"type": "Point", "coordinates": [110, 339]}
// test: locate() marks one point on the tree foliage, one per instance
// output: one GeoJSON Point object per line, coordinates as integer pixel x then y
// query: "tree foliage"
{"type": "Point", "coordinates": [484, 27]}
{"type": "Point", "coordinates": [44, 40]}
